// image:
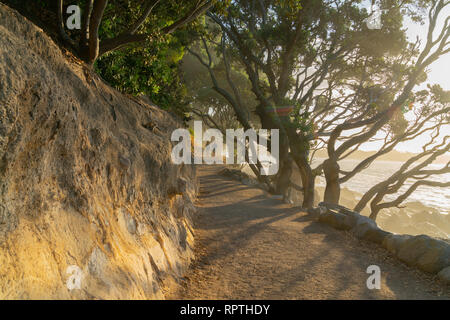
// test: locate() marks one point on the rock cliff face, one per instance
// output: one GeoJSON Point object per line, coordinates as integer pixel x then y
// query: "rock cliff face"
{"type": "Point", "coordinates": [88, 194]}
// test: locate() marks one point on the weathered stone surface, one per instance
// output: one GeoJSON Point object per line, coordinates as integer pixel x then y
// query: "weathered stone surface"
{"type": "Point", "coordinates": [393, 242]}
{"type": "Point", "coordinates": [363, 225]}
{"type": "Point", "coordinates": [83, 181]}
{"type": "Point", "coordinates": [436, 258]}
{"type": "Point", "coordinates": [410, 250]}
{"type": "Point", "coordinates": [444, 275]}
{"type": "Point", "coordinates": [314, 212]}
{"type": "Point", "coordinates": [336, 220]}
{"type": "Point", "coordinates": [428, 254]}
{"type": "Point", "coordinates": [376, 235]}
{"type": "Point", "coordinates": [338, 208]}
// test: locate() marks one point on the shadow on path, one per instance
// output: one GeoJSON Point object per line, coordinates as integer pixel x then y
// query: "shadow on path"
{"type": "Point", "coordinates": [250, 246]}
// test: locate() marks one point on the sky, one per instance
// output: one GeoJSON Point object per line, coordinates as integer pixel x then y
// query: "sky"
{"type": "Point", "coordinates": [438, 72]}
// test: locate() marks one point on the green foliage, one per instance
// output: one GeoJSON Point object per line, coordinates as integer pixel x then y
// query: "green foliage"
{"type": "Point", "coordinates": [205, 99]}
{"type": "Point", "coordinates": [439, 94]}
{"type": "Point", "coordinates": [152, 70]}
{"type": "Point", "coordinates": [152, 67]}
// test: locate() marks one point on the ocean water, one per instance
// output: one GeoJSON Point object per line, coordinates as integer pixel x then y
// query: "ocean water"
{"type": "Point", "coordinates": [435, 197]}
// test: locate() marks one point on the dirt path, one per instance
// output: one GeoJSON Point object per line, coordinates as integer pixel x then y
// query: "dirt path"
{"type": "Point", "coordinates": [250, 246]}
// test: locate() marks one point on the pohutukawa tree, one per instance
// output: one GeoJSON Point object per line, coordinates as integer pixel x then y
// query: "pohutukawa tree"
{"type": "Point", "coordinates": [224, 84]}
{"type": "Point", "coordinates": [414, 169]}
{"type": "Point", "coordinates": [271, 41]}
{"type": "Point", "coordinates": [136, 22]}
{"type": "Point", "coordinates": [432, 118]}
{"type": "Point", "coordinates": [291, 51]}
{"type": "Point", "coordinates": [207, 104]}
{"type": "Point", "coordinates": [369, 121]}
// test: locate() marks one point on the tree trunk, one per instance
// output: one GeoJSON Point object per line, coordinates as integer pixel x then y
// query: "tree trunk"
{"type": "Point", "coordinates": [61, 23]}
{"type": "Point", "coordinates": [94, 25]}
{"type": "Point", "coordinates": [307, 180]}
{"type": "Point", "coordinates": [374, 210]}
{"type": "Point", "coordinates": [333, 188]}
{"type": "Point", "coordinates": [84, 38]}
{"type": "Point", "coordinates": [284, 176]}
{"type": "Point", "coordinates": [299, 147]}
{"type": "Point", "coordinates": [285, 170]}
{"type": "Point", "coordinates": [369, 195]}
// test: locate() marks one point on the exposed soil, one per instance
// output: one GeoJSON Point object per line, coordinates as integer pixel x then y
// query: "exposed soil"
{"type": "Point", "coordinates": [251, 246]}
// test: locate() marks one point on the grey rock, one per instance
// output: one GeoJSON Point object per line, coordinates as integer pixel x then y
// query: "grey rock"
{"type": "Point", "coordinates": [436, 257]}
{"type": "Point", "coordinates": [363, 225]}
{"type": "Point", "coordinates": [444, 275]}
{"type": "Point", "coordinates": [393, 242]}
{"type": "Point", "coordinates": [424, 252]}
{"type": "Point", "coordinates": [428, 254]}
{"type": "Point", "coordinates": [367, 229]}
{"type": "Point", "coordinates": [376, 235]}
{"type": "Point", "coordinates": [336, 220]}
{"type": "Point", "coordinates": [314, 212]}
{"type": "Point", "coordinates": [336, 207]}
